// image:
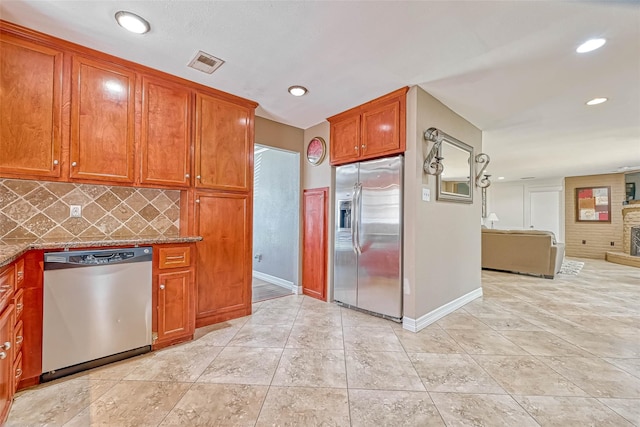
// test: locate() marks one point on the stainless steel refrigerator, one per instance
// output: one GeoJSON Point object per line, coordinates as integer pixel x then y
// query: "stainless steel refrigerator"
{"type": "Point", "coordinates": [368, 236]}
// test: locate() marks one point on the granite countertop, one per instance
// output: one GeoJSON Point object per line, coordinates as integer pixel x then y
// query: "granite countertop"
{"type": "Point", "coordinates": [12, 249]}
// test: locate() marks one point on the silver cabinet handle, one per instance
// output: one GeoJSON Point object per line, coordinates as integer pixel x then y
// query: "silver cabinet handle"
{"type": "Point", "coordinates": [161, 287]}
{"type": "Point", "coordinates": [355, 148]}
{"type": "Point", "coordinates": [18, 373]}
{"type": "Point", "coordinates": [74, 164]}
{"type": "Point", "coordinates": [55, 162]}
{"type": "Point", "coordinates": [3, 355]}
{"type": "Point", "coordinates": [19, 306]}
{"type": "Point", "coordinates": [4, 288]}
{"type": "Point", "coordinates": [364, 146]}
{"type": "Point", "coordinates": [197, 200]}
{"type": "Point", "coordinates": [5, 346]}
{"type": "Point", "coordinates": [198, 177]}
{"type": "Point", "coordinates": [186, 175]}
{"type": "Point", "coordinates": [19, 339]}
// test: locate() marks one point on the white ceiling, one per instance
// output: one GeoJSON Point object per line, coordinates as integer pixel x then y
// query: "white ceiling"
{"type": "Point", "coordinates": [509, 67]}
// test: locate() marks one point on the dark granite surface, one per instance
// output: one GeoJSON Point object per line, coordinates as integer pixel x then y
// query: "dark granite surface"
{"type": "Point", "coordinates": [12, 249]}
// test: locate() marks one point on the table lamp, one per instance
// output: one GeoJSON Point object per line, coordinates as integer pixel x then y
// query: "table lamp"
{"type": "Point", "coordinates": [493, 218]}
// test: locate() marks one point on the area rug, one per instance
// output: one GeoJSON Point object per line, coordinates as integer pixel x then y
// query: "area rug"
{"type": "Point", "coordinates": [571, 267]}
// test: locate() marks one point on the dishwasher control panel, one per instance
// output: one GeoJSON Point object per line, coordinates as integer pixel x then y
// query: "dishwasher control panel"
{"type": "Point", "coordinates": [106, 258]}
{"type": "Point", "coordinates": [56, 260]}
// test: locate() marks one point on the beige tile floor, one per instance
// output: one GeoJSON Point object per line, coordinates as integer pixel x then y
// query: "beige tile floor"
{"type": "Point", "coordinates": [563, 352]}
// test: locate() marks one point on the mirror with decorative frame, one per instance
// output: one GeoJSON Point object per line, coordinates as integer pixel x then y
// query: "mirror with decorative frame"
{"type": "Point", "coordinates": [455, 183]}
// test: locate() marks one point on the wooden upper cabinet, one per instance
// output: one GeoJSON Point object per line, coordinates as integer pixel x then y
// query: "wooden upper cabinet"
{"type": "Point", "coordinates": [165, 135]}
{"type": "Point", "coordinates": [102, 121]}
{"type": "Point", "coordinates": [381, 130]}
{"type": "Point", "coordinates": [371, 130]}
{"type": "Point", "coordinates": [31, 105]}
{"type": "Point", "coordinates": [223, 144]}
{"type": "Point", "coordinates": [345, 140]}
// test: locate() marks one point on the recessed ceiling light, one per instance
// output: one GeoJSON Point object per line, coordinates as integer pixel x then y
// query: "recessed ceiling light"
{"type": "Point", "coordinates": [596, 101]}
{"type": "Point", "coordinates": [297, 90]}
{"type": "Point", "coordinates": [590, 45]}
{"type": "Point", "coordinates": [501, 177]}
{"type": "Point", "coordinates": [132, 22]}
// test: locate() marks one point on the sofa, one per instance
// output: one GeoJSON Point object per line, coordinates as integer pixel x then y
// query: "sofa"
{"type": "Point", "coordinates": [522, 251]}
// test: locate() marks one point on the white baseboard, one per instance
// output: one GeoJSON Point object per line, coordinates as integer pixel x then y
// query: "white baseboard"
{"type": "Point", "coordinates": [416, 325]}
{"type": "Point", "coordinates": [297, 290]}
{"type": "Point", "coordinates": [275, 280]}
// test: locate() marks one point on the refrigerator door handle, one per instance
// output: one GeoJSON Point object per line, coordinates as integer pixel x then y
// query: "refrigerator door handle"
{"type": "Point", "coordinates": [358, 217]}
{"type": "Point", "coordinates": [354, 217]}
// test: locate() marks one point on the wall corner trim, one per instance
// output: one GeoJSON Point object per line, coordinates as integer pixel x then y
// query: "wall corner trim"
{"type": "Point", "coordinates": [275, 280]}
{"type": "Point", "coordinates": [416, 325]}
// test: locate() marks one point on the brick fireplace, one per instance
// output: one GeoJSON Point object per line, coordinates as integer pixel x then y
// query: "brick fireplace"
{"type": "Point", "coordinates": [630, 254]}
{"type": "Point", "coordinates": [630, 219]}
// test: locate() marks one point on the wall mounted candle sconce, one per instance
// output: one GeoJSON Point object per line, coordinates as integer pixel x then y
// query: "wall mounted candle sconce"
{"type": "Point", "coordinates": [482, 179]}
{"type": "Point", "coordinates": [433, 162]}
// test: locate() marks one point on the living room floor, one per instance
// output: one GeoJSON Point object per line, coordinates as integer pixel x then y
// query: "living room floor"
{"type": "Point", "coordinates": [562, 352]}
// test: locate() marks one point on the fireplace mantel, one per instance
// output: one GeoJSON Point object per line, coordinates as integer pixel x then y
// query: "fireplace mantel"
{"type": "Point", "coordinates": [630, 208]}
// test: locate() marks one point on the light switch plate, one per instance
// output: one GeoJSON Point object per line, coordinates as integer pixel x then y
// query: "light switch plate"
{"type": "Point", "coordinates": [426, 194]}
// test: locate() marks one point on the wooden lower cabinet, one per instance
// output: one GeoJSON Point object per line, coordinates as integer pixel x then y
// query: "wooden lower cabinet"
{"type": "Point", "coordinates": [223, 261]}
{"type": "Point", "coordinates": [173, 282]}
{"type": "Point", "coordinates": [174, 305]}
{"type": "Point", "coordinates": [6, 363]}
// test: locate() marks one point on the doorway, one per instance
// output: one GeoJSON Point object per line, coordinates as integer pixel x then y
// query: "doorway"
{"type": "Point", "coordinates": [276, 218]}
{"type": "Point", "coordinates": [544, 205]}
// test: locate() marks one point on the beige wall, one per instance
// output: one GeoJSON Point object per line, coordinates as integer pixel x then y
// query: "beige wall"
{"type": "Point", "coordinates": [319, 176]}
{"type": "Point", "coordinates": [598, 236]}
{"type": "Point", "coordinates": [441, 239]}
{"type": "Point", "coordinates": [279, 135]}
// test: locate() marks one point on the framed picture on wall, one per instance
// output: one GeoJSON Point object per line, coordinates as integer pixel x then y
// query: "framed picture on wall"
{"type": "Point", "coordinates": [593, 204]}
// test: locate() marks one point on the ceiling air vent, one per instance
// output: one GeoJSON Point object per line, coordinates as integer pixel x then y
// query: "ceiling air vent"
{"type": "Point", "coordinates": [205, 62]}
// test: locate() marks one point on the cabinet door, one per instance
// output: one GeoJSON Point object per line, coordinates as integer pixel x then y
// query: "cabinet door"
{"type": "Point", "coordinates": [314, 243]}
{"type": "Point", "coordinates": [223, 257]}
{"type": "Point", "coordinates": [165, 133]}
{"type": "Point", "coordinates": [224, 144]}
{"type": "Point", "coordinates": [102, 121]}
{"type": "Point", "coordinates": [175, 312]}
{"type": "Point", "coordinates": [6, 362]}
{"type": "Point", "coordinates": [381, 131]}
{"type": "Point", "coordinates": [345, 140]}
{"type": "Point", "coordinates": [31, 100]}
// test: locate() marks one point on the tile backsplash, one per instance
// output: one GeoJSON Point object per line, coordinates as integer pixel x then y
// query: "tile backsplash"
{"type": "Point", "coordinates": [30, 209]}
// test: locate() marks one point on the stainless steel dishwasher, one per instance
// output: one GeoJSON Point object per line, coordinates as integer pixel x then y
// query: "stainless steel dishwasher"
{"type": "Point", "coordinates": [96, 308]}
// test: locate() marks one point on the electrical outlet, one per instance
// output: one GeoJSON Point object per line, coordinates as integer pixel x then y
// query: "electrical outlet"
{"type": "Point", "coordinates": [75, 211]}
{"type": "Point", "coordinates": [584, 242]}
{"type": "Point", "coordinates": [426, 194]}
{"type": "Point", "coordinates": [613, 243]}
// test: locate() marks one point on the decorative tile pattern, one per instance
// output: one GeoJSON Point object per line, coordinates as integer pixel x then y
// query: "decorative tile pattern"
{"type": "Point", "coordinates": [34, 209]}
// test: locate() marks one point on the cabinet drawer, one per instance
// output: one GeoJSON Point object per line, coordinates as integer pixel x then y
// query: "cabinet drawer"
{"type": "Point", "coordinates": [7, 286]}
{"type": "Point", "coordinates": [18, 301]}
{"type": "Point", "coordinates": [20, 273]}
{"type": "Point", "coordinates": [174, 257]}
{"type": "Point", "coordinates": [17, 371]}
{"type": "Point", "coordinates": [18, 337]}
